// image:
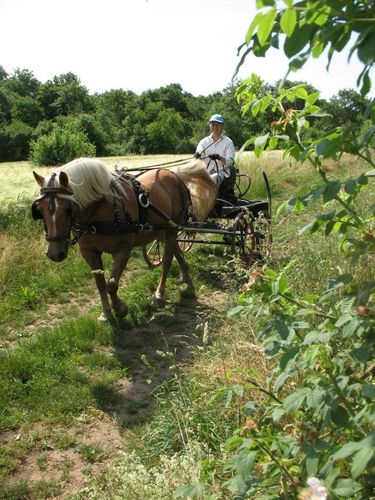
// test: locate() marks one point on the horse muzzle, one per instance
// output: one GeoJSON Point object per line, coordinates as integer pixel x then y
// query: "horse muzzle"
{"type": "Point", "coordinates": [57, 250]}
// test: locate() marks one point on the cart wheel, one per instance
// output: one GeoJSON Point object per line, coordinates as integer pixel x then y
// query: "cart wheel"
{"type": "Point", "coordinates": [243, 239]}
{"type": "Point", "coordinates": [185, 240]}
{"type": "Point", "coordinates": [153, 253]}
{"type": "Point", "coordinates": [263, 235]}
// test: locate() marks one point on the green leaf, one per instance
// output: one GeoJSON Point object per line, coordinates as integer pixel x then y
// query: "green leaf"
{"type": "Point", "coordinates": [288, 357]}
{"type": "Point", "coordinates": [362, 180]}
{"type": "Point", "coordinates": [361, 354]}
{"type": "Point", "coordinates": [236, 485]}
{"type": "Point", "coordinates": [312, 462]}
{"type": "Point", "coordinates": [316, 338]}
{"type": "Point", "coordinates": [278, 414]}
{"type": "Point", "coordinates": [302, 93]}
{"type": "Point", "coordinates": [288, 21]}
{"type": "Point", "coordinates": [294, 401]}
{"type": "Point", "coordinates": [350, 328]}
{"type": "Point", "coordinates": [315, 397]}
{"type": "Point", "coordinates": [190, 491]}
{"type": "Point", "coordinates": [244, 463]}
{"type": "Point", "coordinates": [297, 62]}
{"type": "Point", "coordinates": [280, 381]}
{"type": "Point", "coordinates": [253, 25]}
{"type": "Point", "coordinates": [331, 191]}
{"type": "Point", "coordinates": [340, 417]}
{"type": "Point", "coordinates": [343, 319]}
{"type": "Point", "coordinates": [249, 408]}
{"type": "Point", "coordinates": [272, 144]}
{"type": "Point", "coordinates": [260, 144]}
{"type": "Point", "coordinates": [296, 42]}
{"type": "Point", "coordinates": [346, 488]}
{"type": "Point", "coordinates": [265, 25]}
{"type": "Point", "coordinates": [317, 49]}
{"type": "Point", "coordinates": [329, 146]}
{"type": "Point", "coordinates": [282, 328]}
{"type": "Point", "coordinates": [361, 459]}
{"type": "Point", "coordinates": [368, 390]}
{"type": "Point", "coordinates": [255, 107]}
{"type": "Point", "coordinates": [350, 186]}
{"type": "Point", "coordinates": [312, 226]}
{"type": "Point", "coordinates": [366, 52]}
{"type": "Point", "coordinates": [312, 98]}
{"type": "Point", "coordinates": [353, 447]}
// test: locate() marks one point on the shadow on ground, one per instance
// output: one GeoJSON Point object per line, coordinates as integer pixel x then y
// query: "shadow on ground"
{"type": "Point", "coordinates": [147, 352]}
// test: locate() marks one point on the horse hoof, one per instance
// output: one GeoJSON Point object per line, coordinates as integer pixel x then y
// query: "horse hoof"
{"type": "Point", "coordinates": [122, 311]}
{"type": "Point", "coordinates": [185, 279]}
{"type": "Point", "coordinates": [158, 301]}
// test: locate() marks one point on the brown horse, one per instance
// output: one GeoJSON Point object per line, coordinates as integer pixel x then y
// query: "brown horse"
{"type": "Point", "coordinates": [109, 212]}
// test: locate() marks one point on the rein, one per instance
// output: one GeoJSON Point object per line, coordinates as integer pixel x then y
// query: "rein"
{"type": "Point", "coordinates": [151, 167]}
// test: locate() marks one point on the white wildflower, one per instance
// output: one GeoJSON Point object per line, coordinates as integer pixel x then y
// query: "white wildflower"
{"type": "Point", "coordinates": [316, 490]}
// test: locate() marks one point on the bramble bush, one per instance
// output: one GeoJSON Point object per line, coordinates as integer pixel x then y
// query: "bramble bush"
{"type": "Point", "coordinates": [319, 415]}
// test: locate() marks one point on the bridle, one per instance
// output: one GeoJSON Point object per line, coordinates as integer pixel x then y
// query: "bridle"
{"type": "Point", "coordinates": [51, 193]}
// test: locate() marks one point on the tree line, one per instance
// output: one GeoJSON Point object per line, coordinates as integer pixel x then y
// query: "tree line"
{"type": "Point", "coordinates": [54, 121]}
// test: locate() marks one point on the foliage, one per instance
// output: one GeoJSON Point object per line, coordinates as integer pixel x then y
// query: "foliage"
{"type": "Point", "coordinates": [120, 122]}
{"type": "Point", "coordinates": [319, 415]}
{"type": "Point", "coordinates": [60, 146]}
{"type": "Point", "coordinates": [14, 140]}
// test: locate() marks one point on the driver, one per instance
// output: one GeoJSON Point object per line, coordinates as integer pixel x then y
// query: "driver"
{"type": "Point", "coordinates": [216, 150]}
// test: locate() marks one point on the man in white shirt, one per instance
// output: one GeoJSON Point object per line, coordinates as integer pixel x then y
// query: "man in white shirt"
{"type": "Point", "coordinates": [216, 150]}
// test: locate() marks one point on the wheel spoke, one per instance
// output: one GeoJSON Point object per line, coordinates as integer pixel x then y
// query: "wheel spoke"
{"type": "Point", "coordinates": [153, 253]}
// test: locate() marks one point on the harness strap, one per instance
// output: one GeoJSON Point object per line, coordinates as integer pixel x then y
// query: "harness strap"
{"type": "Point", "coordinates": [110, 229]}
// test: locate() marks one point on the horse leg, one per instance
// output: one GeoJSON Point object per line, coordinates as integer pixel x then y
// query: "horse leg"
{"type": "Point", "coordinates": [169, 250]}
{"type": "Point", "coordinates": [120, 261]}
{"type": "Point", "coordinates": [184, 266]}
{"type": "Point", "coordinates": [95, 262]}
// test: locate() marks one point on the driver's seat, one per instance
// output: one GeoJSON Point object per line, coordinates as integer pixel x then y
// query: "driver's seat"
{"type": "Point", "coordinates": [226, 188]}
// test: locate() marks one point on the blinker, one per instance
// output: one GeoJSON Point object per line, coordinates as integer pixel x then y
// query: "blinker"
{"type": "Point", "coordinates": [35, 213]}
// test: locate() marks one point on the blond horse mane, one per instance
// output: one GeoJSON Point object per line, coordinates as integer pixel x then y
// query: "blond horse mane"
{"type": "Point", "coordinates": [90, 180]}
{"type": "Point", "coordinates": [203, 190]}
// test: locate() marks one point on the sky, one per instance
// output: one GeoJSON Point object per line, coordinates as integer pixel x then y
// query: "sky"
{"type": "Point", "coordinates": [146, 44]}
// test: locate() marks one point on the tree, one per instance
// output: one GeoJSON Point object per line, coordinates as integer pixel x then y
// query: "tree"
{"type": "Point", "coordinates": [3, 74]}
{"type": "Point", "coordinates": [22, 82]}
{"type": "Point", "coordinates": [5, 107]}
{"type": "Point", "coordinates": [166, 132]}
{"type": "Point", "coordinates": [348, 107]}
{"type": "Point", "coordinates": [14, 141]}
{"type": "Point", "coordinates": [64, 95]}
{"type": "Point", "coordinates": [27, 109]}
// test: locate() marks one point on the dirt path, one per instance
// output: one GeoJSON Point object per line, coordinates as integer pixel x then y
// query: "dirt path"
{"type": "Point", "coordinates": [67, 458]}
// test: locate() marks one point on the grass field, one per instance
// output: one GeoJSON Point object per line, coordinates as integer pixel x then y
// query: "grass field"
{"type": "Point", "coordinates": [130, 408]}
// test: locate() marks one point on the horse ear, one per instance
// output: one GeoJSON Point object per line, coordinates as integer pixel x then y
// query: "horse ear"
{"type": "Point", "coordinates": [64, 179]}
{"type": "Point", "coordinates": [39, 179]}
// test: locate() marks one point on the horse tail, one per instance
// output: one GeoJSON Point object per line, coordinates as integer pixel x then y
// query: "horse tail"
{"type": "Point", "coordinates": [203, 190]}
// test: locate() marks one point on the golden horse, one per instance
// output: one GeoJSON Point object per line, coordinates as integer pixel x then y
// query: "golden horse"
{"type": "Point", "coordinates": [109, 212]}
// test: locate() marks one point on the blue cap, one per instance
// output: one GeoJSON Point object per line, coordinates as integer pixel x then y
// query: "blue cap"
{"type": "Point", "coordinates": [217, 118]}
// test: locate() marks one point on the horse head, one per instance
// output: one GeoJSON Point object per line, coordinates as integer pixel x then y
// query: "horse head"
{"type": "Point", "coordinates": [55, 207]}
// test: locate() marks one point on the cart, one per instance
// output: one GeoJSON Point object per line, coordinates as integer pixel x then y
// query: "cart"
{"type": "Point", "coordinates": [235, 222]}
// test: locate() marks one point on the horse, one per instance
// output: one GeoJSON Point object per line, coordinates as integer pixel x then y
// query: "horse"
{"type": "Point", "coordinates": [113, 212]}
